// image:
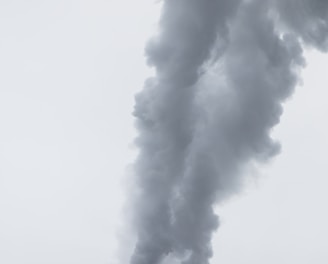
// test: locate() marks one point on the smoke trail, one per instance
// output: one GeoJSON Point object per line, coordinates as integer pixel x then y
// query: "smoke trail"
{"type": "Point", "coordinates": [223, 68]}
{"type": "Point", "coordinates": [165, 115]}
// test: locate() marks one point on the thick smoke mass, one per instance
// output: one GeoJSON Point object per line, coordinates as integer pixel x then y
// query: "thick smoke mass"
{"type": "Point", "coordinates": [223, 69]}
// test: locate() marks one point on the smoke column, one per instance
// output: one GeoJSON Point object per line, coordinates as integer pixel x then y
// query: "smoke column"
{"type": "Point", "coordinates": [223, 69]}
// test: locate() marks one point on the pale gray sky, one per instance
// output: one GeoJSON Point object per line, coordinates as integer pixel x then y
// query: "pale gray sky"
{"type": "Point", "coordinates": [69, 72]}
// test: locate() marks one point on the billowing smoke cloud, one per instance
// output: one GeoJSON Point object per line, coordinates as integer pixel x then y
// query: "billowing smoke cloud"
{"type": "Point", "coordinates": [223, 68]}
{"type": "Point", "coordinates": [307, 18]}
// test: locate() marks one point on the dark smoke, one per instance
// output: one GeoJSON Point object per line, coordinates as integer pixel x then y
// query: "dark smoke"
{"type": "Point", "coordinates": [223, 69]}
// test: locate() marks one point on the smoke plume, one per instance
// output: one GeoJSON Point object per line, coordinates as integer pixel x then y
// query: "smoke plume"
{"type": "Point", "coordinates": [223, 69]}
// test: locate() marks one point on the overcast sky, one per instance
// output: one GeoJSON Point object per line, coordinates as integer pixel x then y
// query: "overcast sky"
{"type": "Point", "coordinates": [68, 74]}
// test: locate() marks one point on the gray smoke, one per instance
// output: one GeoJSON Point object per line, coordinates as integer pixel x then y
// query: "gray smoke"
{"type": "Point", "coordinates": [223, 69]}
